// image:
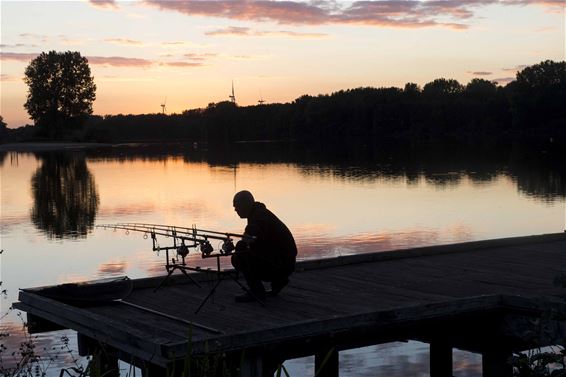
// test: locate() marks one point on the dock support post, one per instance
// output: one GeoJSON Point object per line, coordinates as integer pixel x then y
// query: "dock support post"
{"type": "Point", "coordinates": [257, 366]}
{"type": "Point", "coordinates": [151, 370]}
{"type": "Point", "coordinates": [496, 363]}
{"type": "Point", "coordinates": [326, 363]}
{"type": "Point", "coordinates": [440, 359]}
{"type": "Point", "coordinates": [104, 362]}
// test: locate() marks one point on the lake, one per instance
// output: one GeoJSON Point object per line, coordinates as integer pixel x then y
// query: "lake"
{"type": "Point", "coordinates": [336, 202]}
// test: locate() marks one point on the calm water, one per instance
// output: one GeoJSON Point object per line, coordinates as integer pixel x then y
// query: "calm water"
{"type": "Point", "coordinates": [378, 200]}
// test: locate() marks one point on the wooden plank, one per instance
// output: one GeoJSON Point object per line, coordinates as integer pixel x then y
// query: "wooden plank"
{"type": "Point", "coordinates": [337, 298]}
{"type": "Point", "coordinates": [102, 325]}
{"type": "Point", "coordinates": [430, 250]}
{"type": "Point", "coordinates": [135, 351]}
{"type": "Point", "coordinates": [339, 326]}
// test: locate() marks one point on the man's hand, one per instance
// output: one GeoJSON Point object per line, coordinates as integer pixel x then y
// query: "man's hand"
{"type": "Point", "coordinates": [242, 246]}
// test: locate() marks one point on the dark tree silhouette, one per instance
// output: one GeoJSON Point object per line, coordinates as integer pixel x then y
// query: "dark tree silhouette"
{"type": "Point", "coordinates": [442, 87]}
{"type": "Point", "coordinates": [538, 96]}
{"type": "Point", "coordinates": [3, 129]}
{"type": "Point", "coordinates": [481, 88]}
{"type": "Point", "coordinates": [530, 109]}
{"type": "Point", "coordinates": [61, 91]}
{"type": "Point", "coordinates": [65, 198]}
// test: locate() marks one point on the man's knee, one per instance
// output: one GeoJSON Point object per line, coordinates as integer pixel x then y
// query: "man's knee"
{"type": "Point", "coordinates": [237, 261]}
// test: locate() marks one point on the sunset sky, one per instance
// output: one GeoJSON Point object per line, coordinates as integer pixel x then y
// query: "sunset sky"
{"type": "Point", "coordinates": [188, 53]}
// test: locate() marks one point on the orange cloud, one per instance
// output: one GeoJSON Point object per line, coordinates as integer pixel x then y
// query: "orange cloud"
{"type": "Point", "coordinates": [200, 57]}
{"type": "Point", "coordinates": [119, 61]}
{"type": "Point", "coordinates": [247, 32]}
{"type": "Point", "coordinates": [5, 78]}
{"type": "Point", "coordinates": [183, 64]}
{"type": "Point", "coordinates": [481, 73]}
{"type": "Point", "coordinates": [122, 41]}
{"type": "Point", "coordinates": [116, 61]}
{"type": "Point", "coordinates": [17, 56]}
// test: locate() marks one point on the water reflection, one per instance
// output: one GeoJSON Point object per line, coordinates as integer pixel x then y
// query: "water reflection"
{"type": "Point", "coordinates": [539, 173]}
{"type": "Point", "coordinates": [372, 199]}
{"type": "Point", "coordinates": [65, 198]}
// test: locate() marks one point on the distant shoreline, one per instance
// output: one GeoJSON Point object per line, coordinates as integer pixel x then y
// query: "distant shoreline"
{"type": "Point", "coordinates": [46, 146]}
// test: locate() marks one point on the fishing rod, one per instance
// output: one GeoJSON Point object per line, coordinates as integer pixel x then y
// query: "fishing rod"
{"type": "Point", "coordinates": [181, 228]}
{"type": "Point", "coordinates": [184, 238]}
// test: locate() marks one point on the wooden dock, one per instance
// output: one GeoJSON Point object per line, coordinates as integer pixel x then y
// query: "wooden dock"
{"type": "Point", "coordinates": [490, 297]}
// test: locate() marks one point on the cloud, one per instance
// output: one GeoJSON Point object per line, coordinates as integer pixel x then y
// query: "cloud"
{"type": "Point", "coordinates": [40, 37]}
{"type": "Point", "coordinates": [107, 4]}
{"type": "Point", "coordinates": [200, 57]}
{"type": "Point", "coordinates": [183, 64]}
{"type": "Point", "coordinates": [290, 12]}
{"type": "Point", "coordinates": [503, 80]}
{"type": "Point", "coordinates": [5, 78]}
{"type": "Point", "coordinates": [114, 78]}
{"type": "Point", "coordinates": [194, 60]}
{"type": "Point", "coordinates": [17, 56]}
{"type": "Point", "coordinates": [15, 45]}
{"type": "Point", "coordinates": [176, 45]}
{"type": "Point", "coordinates": [481, 73]}
{"type": "Point", "coordinates": [116, 61]}
{"type": "Point", "coordinates": [247, 32]}
{"type": "Point", "coordinates": [516, 68]}
{"type": "Point", "coordinates": [245, 57]}
{"type": "Point", "coordinates": [71, 42]}
{"type": "Point", "coordinates": [124, 42]}
{"type": "Point", "coordinates": [388, 13]}
{"type": "Point", "coordinates": [119, 61]}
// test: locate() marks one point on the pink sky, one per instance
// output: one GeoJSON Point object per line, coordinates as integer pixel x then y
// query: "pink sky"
{"type": "Point", "coordinates": [187, 53]}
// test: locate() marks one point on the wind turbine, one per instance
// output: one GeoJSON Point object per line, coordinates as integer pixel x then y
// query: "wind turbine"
{"type": "Point", "coordinates": [163, 108]}
{"type": "Point", "coordinates": [233, 96]}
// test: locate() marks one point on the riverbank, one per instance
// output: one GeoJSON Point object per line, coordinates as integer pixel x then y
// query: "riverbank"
{"type": "Point", "coordinates": [45, 146]}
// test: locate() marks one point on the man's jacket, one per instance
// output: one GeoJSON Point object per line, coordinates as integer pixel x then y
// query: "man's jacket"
{"type": "Point", "coordinates": [273, 240]}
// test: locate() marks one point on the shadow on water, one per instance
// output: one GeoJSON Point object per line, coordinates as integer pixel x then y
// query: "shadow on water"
{"type": "Point", "coordinates": [65, 197]}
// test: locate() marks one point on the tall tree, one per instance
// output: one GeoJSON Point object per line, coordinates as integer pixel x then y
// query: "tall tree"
{"type": "Point", "coordinates": [538, 96]}
{"type": "Point", "coordinates": [3, 129]}
{"type": "Point", "coordinates": [61, 91]}
{"type": "Point", "coordinates": [443, 87]}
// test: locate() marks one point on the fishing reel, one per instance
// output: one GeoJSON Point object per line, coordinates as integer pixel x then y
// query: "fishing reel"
{"type": "Point", "coordinates": [206, 248]}
{"type": "Point", "coordinates": [227, 247]}
{"type": "Point", "coordinates": [183, 250]}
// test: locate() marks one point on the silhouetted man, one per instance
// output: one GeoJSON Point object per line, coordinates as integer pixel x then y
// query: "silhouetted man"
{"type": "Point", "coordinates": [267, 252]}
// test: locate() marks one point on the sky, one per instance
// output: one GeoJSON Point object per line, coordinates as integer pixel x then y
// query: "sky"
{"type": "Point", "coordinates": [187, 54]}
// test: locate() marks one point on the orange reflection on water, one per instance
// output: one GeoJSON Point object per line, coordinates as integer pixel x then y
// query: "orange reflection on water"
{"type": "Point", "coordinates": [112, 268]}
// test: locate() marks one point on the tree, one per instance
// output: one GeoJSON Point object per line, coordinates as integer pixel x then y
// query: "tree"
{"type": "Point", "coordinates": [61, 91]}
{"type": "Point", "coordinates": [443, 87]}
{"type": "Point", "coordinates": [3, 130]}
{"type": "Point", "coordinates": [412, 89]}
{"type": "Point", "coordinates": [538, 95]}
{"type": "Point", "coordinates": [480, 88]}
{"type": "Point", "coordinates": [543, 75]}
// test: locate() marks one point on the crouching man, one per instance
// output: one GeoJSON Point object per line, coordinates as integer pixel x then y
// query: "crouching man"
{"type": "Point", "coordinates": [266, 253]}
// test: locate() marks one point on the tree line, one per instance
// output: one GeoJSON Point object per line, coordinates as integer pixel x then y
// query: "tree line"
{"type": "Point", "coordinates": [531, 106]}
